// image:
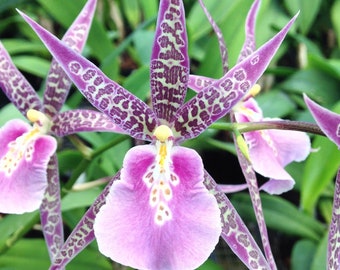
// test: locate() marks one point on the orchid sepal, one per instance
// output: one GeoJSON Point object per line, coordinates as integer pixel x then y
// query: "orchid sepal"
{"type": "Point", "coordinates": [126, 110]}
{"type": "Point", "coordinates": [216, 100]}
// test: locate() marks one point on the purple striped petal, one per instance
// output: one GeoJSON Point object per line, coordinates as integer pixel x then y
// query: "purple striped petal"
{"type": "Point", "coordinates": [234, 231]}
{"type": "Point", "coordinates": [15, 85]}
{"type": "Point", "coordinates": [249, 45]}
{"type": "Point", "coordinates": [50, 210]}
{"type": "Point", "coordinates": [126, 110]}
{"type": "Point", "coordinates": [57, 83]}
{"type": "Point", "coordinates": [169, 60]}
{"type": "Point", "coordinates": [328, 121]}
{"type": "Point", "coordinates": [217, 100]}
{"type": "Point", "coordinates": [74, 121]}
{"type": "Point", "coordinates": [156, 219]}
{"type": "Point", "coordinates": [24, 155]}
{"type": "Point", "coordinates": [333, 259]}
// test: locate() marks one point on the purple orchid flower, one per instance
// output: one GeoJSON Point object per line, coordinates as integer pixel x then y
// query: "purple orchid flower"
{"type": "Point", "coordinates": [162, 210]}
{"type": "Point", "coordinates": [329, 122]}
{"type": "Point", "coordinates": [29, 176]}
{"type": "Point", "coordinates": [269, 150]}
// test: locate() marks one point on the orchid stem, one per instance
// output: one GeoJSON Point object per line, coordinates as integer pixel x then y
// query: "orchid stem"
{"type": "Point", "coordinates": [88, 159]}
{"type": "Point", "coordinates": [279, 124]}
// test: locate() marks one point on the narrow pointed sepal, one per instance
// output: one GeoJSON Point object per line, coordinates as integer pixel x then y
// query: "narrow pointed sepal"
{"type": "Point", "coordinates": [15, 86]}
{"type": "Point", "coordinates": [50, 210]}
{"type": "Point", "coordinates": [24, 156]}
{"type": "Point", "coordinates": [249, 45]}
{"type": "Point", "coordinates": [58, 83]}
{"type": "Point", "coordinates": [74, 121]}
{"type": "Point", "coordinates": [159, 219]}
{"type": "Point", "coordinates": [328, 121]}
{"type": "Point", "coordinates": [216, 100]}
{"type": "Point", "coordinates": [169, 66]}
{"type": "Point", "coordinates": [333, 258]}
{"type": "Point", "coordinates": [234, 231]}
{"type": "Point", "coordinates": [83, 234]}
{"type": "Point", "coordinates": [126, 110]}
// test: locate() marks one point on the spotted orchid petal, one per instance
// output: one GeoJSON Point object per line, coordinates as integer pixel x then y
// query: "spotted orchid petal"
{"type": "Point", "coordinates": [328, 121]}
{"type": "Point", "coordinates": [155, 207]}
{"type": "Point", "coordinates": [250, 176]}
{"type": "Point", "coordinates": [15, 86]}
{"type": "Point", "coordinates": [217, 100]}
{"type": "Point", "coordinates": [57, 83]}
{"type": "Point", "coordinates": [83, 234]}
{"type": "Point", "coordinates": [169, 61]}
{"type": "Point", "coordinates": [271, 150]}
{"type": "Point", "coordinates": [234, 231]}
{"type": "Point", "coordinates": [126, 111]}
{"type": "Point", "coordinates": [333, 259]}
{"type": "Point", "coordinates": [74, 121]}
{"type": "Point", "coordinates": [249, 45]}
{"type": "Point", "coordinates": [24, 156]}
{"type": "Point", "coordinates": [50, 210]}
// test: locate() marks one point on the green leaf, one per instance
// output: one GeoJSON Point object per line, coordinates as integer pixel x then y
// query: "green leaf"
{"type": "Point", "coordinates": [280, 215]}
{"type": "Point", "coordinates": [8, 112]}
{"type": "Point", "coordinates": [320, 258]}
{"type": "Point", "coordinates": [303, 254]}
{"type": "Point", "coordinates": [32, 64]}
{"type": "Point", "coordinates": [12, 223]}
{"type": "Point", "coordinates": [131, 10]}
{"type": "Point", "coordinates": [32, 254]}
{"type": "Point", "coordinates": [335, 11]}
{"type": "Point", "coordinates": [275, 103]}
{"type": "Point", "coordinates": [308, 11]}
{"type": "Point", "coordinates": [77, 199]}
{"type": "Point", "coordinates": [317, 84]}
{"type": "Point", "coordinates": [138, 82]}
{"type": "Point", "coordinates": [15, 46]}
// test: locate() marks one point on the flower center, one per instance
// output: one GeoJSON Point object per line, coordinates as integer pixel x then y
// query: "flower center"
{"type": "Point", "coordinates": [22, 147]}
{"type": "Point", "coordinates": [160, 178]}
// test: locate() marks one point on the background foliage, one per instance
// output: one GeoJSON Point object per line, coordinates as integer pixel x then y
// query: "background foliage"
{"type": "Point", "coordinates": [120, 43]}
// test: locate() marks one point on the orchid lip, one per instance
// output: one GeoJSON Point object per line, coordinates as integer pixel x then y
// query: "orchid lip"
{"type": "Point", "coordinates": [159, 177]}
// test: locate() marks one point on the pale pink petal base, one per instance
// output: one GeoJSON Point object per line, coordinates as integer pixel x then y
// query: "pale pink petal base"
{"type": "Point", "coordinates": [23, 190]}
{"type": "Point", "coordinates": [271, 150]}
{"type": "Point", "coordinates": [125, 228]}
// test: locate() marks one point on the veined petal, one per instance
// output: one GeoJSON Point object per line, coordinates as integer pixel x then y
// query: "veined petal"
{"type": "Point", "coordinates": [271, 150]}
{"type": "Point", "coordinates": [151, 222]}
{"type": "Point", "coordinates": [169, 60]}
{"type": "Point", "coordinates": [234, 231]}
{"type": "Point", "coordinates": [23, 166]}
{"type": "Point", "coordinates": [249, 45]}
{"type": "Point", "coordinates": [126, 110]}
{"type": "Point", "coordinates": [198, 83]}
{"type": "Point", "coordinates": [57, 83]}
{"type": "Point", "coordinates": [50, 210]}
{"type": "Point", "coordinates": [328, 121]}
{"type": "Point", "coordinates": [217, 100]}
{"type": "Point", "coordinates": [15, 86]}
{"type": "Point", "coordinates": [74, 121]}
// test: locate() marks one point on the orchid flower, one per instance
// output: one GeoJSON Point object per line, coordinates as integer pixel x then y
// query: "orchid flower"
{"type": "Point", "coordinates": [28, 164]}
{"type": "Point", "coordinates": [162, 210]}
{"type": "Point", "coordinates": [329, 122]}
{"type": "Point", "coordinates": [269, 150]}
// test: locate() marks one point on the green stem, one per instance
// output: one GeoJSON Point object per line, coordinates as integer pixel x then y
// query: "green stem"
{"type": "Point", "coordinates": [88, 159]}
{"type": "Point", "coordinates": [279, 124]}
